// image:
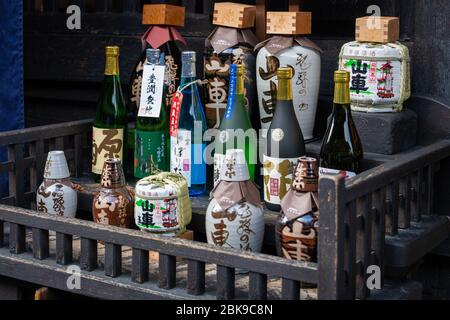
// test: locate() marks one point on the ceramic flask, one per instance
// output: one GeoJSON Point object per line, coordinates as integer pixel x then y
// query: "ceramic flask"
{"type": "Point", "coordinates": [303, 56]}
{"type": "Point", "coordinates": [55, 195]}
{"type": "Point", "coordinates": [297, 225]}
{"type": "Point", "coordinates": [234, 217]}
{"type": "Point", "coordinates": [113, 204]}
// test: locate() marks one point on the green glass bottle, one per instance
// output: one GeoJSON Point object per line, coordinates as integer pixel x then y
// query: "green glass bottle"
{"type": "Point", "coordinates": [341, 151]}
{"type": "Point", "coordinates": [152, 134]}
{"type": "Point", "coordinates": [110, 120]}
{"type": "Point", "coordinates": [236, 131]}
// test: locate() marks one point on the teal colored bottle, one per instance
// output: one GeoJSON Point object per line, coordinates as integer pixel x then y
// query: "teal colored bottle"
{"type": "Point", "coordinates": [236, 131]}
{"type": "Point", "coordinates": [187, 147]}
{"type": "Point", "coordinates": [151, 152]}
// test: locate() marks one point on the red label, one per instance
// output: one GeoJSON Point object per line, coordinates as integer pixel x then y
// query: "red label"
{"type": "Point", "coordinates": [274, 188]}
{"type": "Point", "coordinates": [175, 113]}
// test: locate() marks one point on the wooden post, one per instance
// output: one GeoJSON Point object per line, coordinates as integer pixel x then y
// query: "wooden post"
{"type": "Point", "coordinates": [331, 284]}
{"type": "Point", "coordinates": [260, 23]}
{"type": "Point", "coordinates": [295, 5]}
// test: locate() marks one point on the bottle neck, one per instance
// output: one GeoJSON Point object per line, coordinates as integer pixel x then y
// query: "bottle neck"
{"type": "Point", "coordinates": [188, 70]}
{"type": "Point", "coordinates": [341, 93]}
{"type": "Point", "coordinates": [240, 88]}
{"type": "Point", "coordinates": [112, 66]}
{"type": "Point", "coordinates": [284, 91]}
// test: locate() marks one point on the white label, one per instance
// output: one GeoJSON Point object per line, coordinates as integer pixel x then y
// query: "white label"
{"type": "Point", "coordinates": [218, 164]}
{"type": "Point", "coordinates": [277, 177]}
{"type": "Point", "coordinates": [180, 154]}
{"type": "Point", "coordinates": [345, 174]}
{"type": "Point", "coordinates": [277, 134]}
{"type": "Point", "coordinates": [151, 91]}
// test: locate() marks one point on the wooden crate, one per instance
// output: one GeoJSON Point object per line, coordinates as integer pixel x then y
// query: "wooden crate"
{"type": "Point", "coordinates": [377, 29]}
{"type": "Point", "coordinates": [163, 14]}
{"type": "Point", "coordinates": [289, 22]}
{"type": "Point", "coordinates": [234, 15]}
{"type": "Point", "coordinates": [383, 216]}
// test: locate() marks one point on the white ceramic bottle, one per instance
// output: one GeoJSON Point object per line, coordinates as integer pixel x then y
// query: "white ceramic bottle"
{"type": "Point", "coordinates": [55, 195]}
{"type": "Point", "coordinates": [234, 217]}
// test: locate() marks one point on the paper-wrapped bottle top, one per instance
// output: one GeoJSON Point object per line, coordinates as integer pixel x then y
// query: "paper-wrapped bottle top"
{"type": "Point", "coordinates": [306, 175]}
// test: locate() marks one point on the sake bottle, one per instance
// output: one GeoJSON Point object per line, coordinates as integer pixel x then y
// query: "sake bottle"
{"type": "Point", "coordinates": [236, 131]}
{"type": "Point", "coordinates": [187, 147]}
{"type": "Point", "coordinates": [341, 151]}
{"type": "Point", "coordinates": [110, 120]}
{"type": "Point", "coordinates": [151, 152]}
{"type": "Point", "coordinates": [285, 144]}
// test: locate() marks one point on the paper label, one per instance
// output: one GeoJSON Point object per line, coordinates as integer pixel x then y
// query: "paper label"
{"type": "Point", "coordinates": [156, 214]}
{"type": "Point", "coordinates": [175, 110]}
{"type": "Point", "coordinates": [151, 91]}
{"type": "Point", "coordinates": [218, 164]}
{"type": "Point", "coordinates": [150, 152]}
{"type": "Point", "coordinates": [231, 93]}
{"type": "Point", "coordinates": [277, 177]}
{"type": "Point", "coordinates": [180, 154]}
{"type": "Point", "coordinates": [106, 143]}
{"type": "Point", "coordinates": [345, 174]}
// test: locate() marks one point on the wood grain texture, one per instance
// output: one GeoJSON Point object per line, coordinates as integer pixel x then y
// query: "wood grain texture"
{"type": "Point", "coordinates": [40, 244]}
{"type": "Point", "coordinates": [88, 256]}
{"type": "Point", "coordinates": [113, 260]}
{"type": "Point", "coordinates": [140, 271]}
{"type": "Point", "coordinates": [64, 248]}
{"type": "Point", "coordinates": [225, 283]}
{"type": "Point", "coordinates": [195, 277]}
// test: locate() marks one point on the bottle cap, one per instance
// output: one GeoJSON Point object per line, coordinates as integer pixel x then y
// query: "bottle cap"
{"type": "Point", "coordinates": [56, 166]}
{"type": "Point", "coordinates": [284, 73]}
{"type": "Point", "coordinates": [240, 69]}
{"type": "Point", "coordinates": [153, 54]}
{"type": "Point", "coordinates": [188, 56]}
{"type": "Point", "coordinates": [306, 175]}
{"type": "Point", "coordinates": [341, 76]}
{"type": "Point", "coordinates": [112, 51]}
{"type": "Point", "coordinates": [112, 174]}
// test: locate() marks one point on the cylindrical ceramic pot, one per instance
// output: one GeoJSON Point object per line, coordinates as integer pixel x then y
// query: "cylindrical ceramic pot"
{"type": "Point", "coordinates": [306, 65]}
{"type": "Point", "coordinates": [113, 204]}
{"type": "Point", "coordinates": [55, 195]}
{"type": "Point", "coordinates": [239, 227]}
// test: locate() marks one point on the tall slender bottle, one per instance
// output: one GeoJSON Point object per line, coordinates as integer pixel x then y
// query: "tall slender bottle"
{"type": "Point", "coordinates": [285, 144]}
{"type": "Point", "coordinates": [341, 151]}
{"type": "Point", "coordinates": [151, 151]}
{"type": "Point", "coordinates": [236, 131]}
{"type": "Point", "coordinates": [187, 148]}
{"type": "Point", "coordinates": [110, 120]}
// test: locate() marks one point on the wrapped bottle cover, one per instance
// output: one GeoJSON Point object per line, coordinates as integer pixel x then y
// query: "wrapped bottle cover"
{"type": "Point", "coordinates": [379, 75]}
{"type": "Point", "coordinates": [162, 204]}
{"type": "Point", "coordinates": [223, 47]}
{"type": "Point", "coordinates": [234, 217]}
{"type": "Point", "coordinates": [303, 56]}
{"type": "Point", "coordinates": [297, 225]}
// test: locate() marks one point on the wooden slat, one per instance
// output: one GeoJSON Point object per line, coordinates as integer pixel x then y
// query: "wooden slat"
{"type": "Point", "coordinates": [140, 266]}
{"type": "Point", "coordinates": [392, 209]}
{"type": "Point", "coordinates": [225, 283]}
{"type": "Point", "coordinates": [6, 166]}
{"type": "Point", "coordinates": [16, 178]}
{"type": "Point", "coordinates": [290, 289]}
{"type": "Point", "coordinates": [88, 256]}
{"type": "Point", "coordinates": [260, 23]}
{"type": "Point", "coordinates": [416, 196]}
{"type": "Point", "coordinates": [257, 286]}
{"type": "Point", "coordinates": [404, 213]}
{"type": "Point", "coordinates": [113, 260]}
{"type": "Point", "coordinates": [350, 250]}
{"type": "Point", "coordinates": [430, 191]}
{"type": "Point", "coordinates": [363, 244]}
{"type": "Point", "coordinates": [195, 277]}
{"type": "Point", "coordinates": [39, 154]}
{"type": "Point", "coordinates": [167, 271]}
{"type": "Point", "coordinates": [2, 233]}
{"type": "Point", "coordinates": [78, 156]}
{"type": "Point", "coordinates": [331, 284]}
{"type": "Point", "coordinates": [63, 248]}
{"type": "Point", "coordinates": [40, 244]}
{"type": "Point", "coordinates": [378, 230]}
{"type": "Point", "coordinates": [59, 144]}
{"type": "Point", "coordinates": [16, 238]}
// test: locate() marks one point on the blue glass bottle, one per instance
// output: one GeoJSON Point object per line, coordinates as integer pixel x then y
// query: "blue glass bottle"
{"type": "Point", "coordinates": [187, 149]}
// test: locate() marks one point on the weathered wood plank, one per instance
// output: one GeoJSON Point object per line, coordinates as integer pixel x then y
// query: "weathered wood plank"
{"type": "Point", "coordinates": [392, 209]}
{"type": "Point", "coordinates": [350, 250]}
{"type": "Point", "coordinates": [290, 289]}
{"type": "Point", "coordinates": [195, 277]}
{"type": "Point", "coordinates": [40, 244]}
{"type": "Point", "coordinates": [140, 266]}
{"type": "Point", "coordinates": [363, 244]}
{"type": "Point", "coordinates": [257, 286]}
{"type": "Point", "coordinates": [331, 284]}
{"type": "Point", "coordinates": [167, 271]}
{"type": "Point", "coordinates": [378, 230]}
{"type": "Point", "coordinates": [2, 233]}
{"type": "Point", "coordinates": [113, 260]}
{"type": "Point", "coordinates": [16, 238]}
{"type": "Point", "coordinates": [64, 248]}
{"type": "Point", "coordinates": [225, 283]}
{"type": "Point", "coordinates": [88, 255]}
{"type": "Point", "coordinates": [404, 214]}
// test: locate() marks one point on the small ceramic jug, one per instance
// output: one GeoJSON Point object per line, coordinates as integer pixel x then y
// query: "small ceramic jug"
{"type": "Point", "coordinates": [234, 217]}
{"type": "Point", "coordinates": [55, 195]}
{"type": "Point", "coordinates": [113, 204]}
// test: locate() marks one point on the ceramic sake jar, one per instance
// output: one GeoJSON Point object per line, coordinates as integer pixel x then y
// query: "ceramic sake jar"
{"type": "Point", "coordinates": [303, 56]}
{"type": "Point", "coordinates": [162, 204]}
{"type": "Point", "coordinates": [234, 217]}
{"type": "Point", "coordinates": [297, 226]}
{"type": "Point", "coordinates": [113, 204]}
{"type": "Point", "coordinates": [55, 195]}
{"type": "Point", "coordinates": [379, 75]}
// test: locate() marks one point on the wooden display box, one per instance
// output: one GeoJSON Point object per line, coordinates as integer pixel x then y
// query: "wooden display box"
{"type": "Point", "coordinates": [289, 22]}
{"type": "Point", "coordinates": [234, 15]}
{"type": "Point", "coordinates": [163, 14]}
{"type": "Point", "coordinates": [187, 235]}
{"type": "Point", "coordinates": [379, 30]}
